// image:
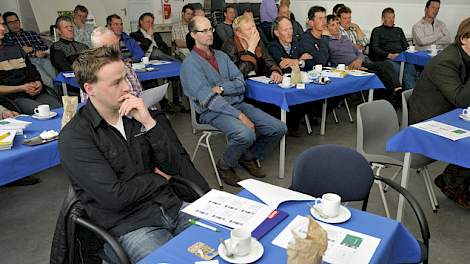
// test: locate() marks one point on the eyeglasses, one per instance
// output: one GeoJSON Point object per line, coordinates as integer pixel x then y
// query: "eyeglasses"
{"type": "Point", "coordinates": [11, 22]}
{"type": "Point", "coordinates": [205, 31]}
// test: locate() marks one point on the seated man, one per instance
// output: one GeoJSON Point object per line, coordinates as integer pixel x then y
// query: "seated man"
{"type": "Point", "coordinates": [297, 29]}
{"type": "Point", "coordinates": [430, 30]}
{"type": "Point", "coordinates": [224, 30]}
{"type": "Point", "coordinates": [444, 85]}
{"type": "Point", "coordinates": [351, 30]}
{"type": "Point", "coordinates": [32, 44]}
{"type": "Point", "coordinates": [19, 79]}
{"type": "Point", "coordinates": [81, 29]}
{"type": "Point", "coordinates": [386, 43]}
{"type": "Point", "coordinates": [66, 50]}
{"type": "Point", "coordinates": [149, 40]}
{"type": "Point", "coordinates": [312, 41]}
{"type": "Point", "coordinates": [6, 113]}
{"type": "Point", "coordinates": [130, 49]}
{"type": "Point", "coordinates": [180, 30]}
{"type": "Point", "coordinates": [343, 51]}
{"type": "Point", "coordinates": [216, 87]}
{"type": "Point", "coordinates": [121, 159]}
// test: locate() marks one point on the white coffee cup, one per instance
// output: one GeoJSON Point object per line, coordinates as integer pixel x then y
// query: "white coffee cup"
{"type": "Point", "coordinates": [433, 47]}
{"type": "Point", "coordinates": [433, 52]}
{"type": "Point", "coordinates": [411, 48]}
{"type": "Point", "coordinates": [240, 242]}
{"type": "Point", "coordinates": [145, 60]}
{"type": "Point", "coordinates": [330, 203]}
{"type": "Point", "coordinates": [42, 110]}
{"type": "Point", "coordinates": [341, 67]}
{"type": "Point", "coordinates": [304, 77]}
{"type": "Point", "coordinates": [318, 68]}
{"type": "Point", "coordinates": [466, 112]}
{"type": "Point", "coordinates": [286, 81]}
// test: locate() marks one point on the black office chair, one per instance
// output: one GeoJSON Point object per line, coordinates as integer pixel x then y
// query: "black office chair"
{"type": "Point", "coordinates": [77, 240]}
{"type": "Point", "coordinates": [331, 168]}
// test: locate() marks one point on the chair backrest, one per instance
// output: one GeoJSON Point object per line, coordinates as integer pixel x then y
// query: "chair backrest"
{"type": "Point", "coordinates": [377, 121]}
{"type": "Point", "coordinates": [332, 168]}
{"type": "Point", "coordinates": [405, 97]}
{"type": "Point", "coordinates": [195, 122]}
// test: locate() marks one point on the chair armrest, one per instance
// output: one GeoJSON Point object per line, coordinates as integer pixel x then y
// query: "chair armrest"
{"type": "Point", "coordinates": [190, 184]}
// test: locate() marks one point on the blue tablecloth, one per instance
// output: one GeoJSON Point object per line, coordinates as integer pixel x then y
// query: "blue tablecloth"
{"type": "Point", "coordinates": [272, 93]}
{"type": "Point", "coordinates": [420, 58]}
{"type": "Point", "coordinates": [397, 245]}
{"type": "Point", "coordinates": [415, 140]}
{"type": "Point", "coordinates": [23, 160]}
{"type": "Point", "coordinates": [165, 70]}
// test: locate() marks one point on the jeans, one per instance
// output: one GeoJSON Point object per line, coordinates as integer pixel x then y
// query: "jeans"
{"type": "Point", "coordinates": [27, 104]}
{"type": "Point", "coordinates": [45, 69]}
{"type": "Point", "coordinates": [409, 74]}
{"type": "Point", "coordinates": [143, 241]}
{"type": "Point", "coordinates": [242, 140]}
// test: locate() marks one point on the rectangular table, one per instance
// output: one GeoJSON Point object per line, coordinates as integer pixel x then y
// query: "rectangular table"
{"type": "Point", "coordinates": [273, 94]}
{"type": "Point", "coordinates": [413, 140]}
{"type": "Point", "coordinates": [420, 58]}
{"type": "Point", "coordinates": [22, 160]}
{"type": "Point", "coordinates": [397, 245]}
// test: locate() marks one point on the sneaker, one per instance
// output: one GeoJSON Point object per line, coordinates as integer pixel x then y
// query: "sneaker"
{"type": "Point", "coordinates": [252, 168]}
{"type": "Point", "coordinates": [228, 174]}
{"type": "Point", "coordinates": [24, 182]}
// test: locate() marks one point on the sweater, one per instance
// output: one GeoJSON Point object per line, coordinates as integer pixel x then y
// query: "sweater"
{"type": "Point", "coordinates": [385, 40]}
{"type": "Point", "coordinates": [64, 52]}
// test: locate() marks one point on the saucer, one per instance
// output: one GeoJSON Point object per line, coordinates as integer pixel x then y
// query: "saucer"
{"type": "Point", "coordinates": [465, 117]}
{"type": "Point", "coordinates": [285, 87]}
{"type": "Point", "coordinates": [256, 252]}
{"type": "Point", "coordinates": [51, 115]}
{"type": "Point", "coordinates": [343, 216]}
{"type": "Point", "coordinates": [411, 51]}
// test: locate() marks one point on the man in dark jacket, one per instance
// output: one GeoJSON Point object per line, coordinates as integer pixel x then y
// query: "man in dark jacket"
{"type": "Point", "coordinates": [147, 39]}
{"type": "Point", "coordinates": [443, 86]}
{"type": "Point", "coordinates": [121, 159]}
{"type": "Point", "coordinates": [312, 41]}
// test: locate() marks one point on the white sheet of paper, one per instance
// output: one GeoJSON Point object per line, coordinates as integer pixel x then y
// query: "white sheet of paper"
{"type": "Point", "coordinates": [229, 210]}
{"type": "Point", "coordinates": [338, 250]}
{"type": "Point", "coordinates": [69, 75]}
{"type": "Point", "coordinates": [159, 62]}
{"type": "Point", "coordinates": [261, 79]}
{"type": "Point", "coordinates": [443, 130]}
{"type": "Point", "coordinates": [273, 195]}
{"type": "Point", "coordinates": [153, 95]}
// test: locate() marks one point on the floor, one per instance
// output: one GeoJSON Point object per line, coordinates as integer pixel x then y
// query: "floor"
{"type": "Point", "coordinates": [28, 214]}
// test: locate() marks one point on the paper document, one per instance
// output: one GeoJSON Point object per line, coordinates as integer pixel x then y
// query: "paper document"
{"type": "Point", "coordinates": [443, 130]}
{"type": "Point", "coordinates": [69, 74]}
{"type": "Point", "coordinates": [14, 124]}
{"type": "Point", "coordinates": [261, 79]}
{"type": "Point", "coordinates": [229, 210]}
{"type": "Point", "coordinates": [158, 62]}
{"type": "Point", "coordinates": [344, 246]}
{"type": "Point", "coordinates": [273, 195]}
{"type": "Point", "coordinates": [153, 95]}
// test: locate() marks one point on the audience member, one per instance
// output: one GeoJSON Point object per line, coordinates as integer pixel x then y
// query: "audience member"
{"type": "Point", "coordinates": [430, 30]}
{"type": "Point", "coordinates": [249, 14]}
{"type": "Point", "coordinates": [19, 79]}
{"type": "Point", "coordinates": [351, 30]}
{"type": "Point", "coordinates": [386, 43]}
{"type": "Point", "coordinates": [224, 30]}
{"type": "Point", "coordinates": [148, 39]}
{"type": "Point", "coordinates": [130, 50]}
{"type": "Point", "coordinates": [336, 8]}
{"type": "Point", "coordinates": [216, 86]}
{"type": "Point", "coordinates": [443, 86]}
{"type": "Point", "coordinates": [180, 30]}
{"type": "Point", "coordinates": [6, 113]}
{"type": "Point", "coordinates": [296, 27]}
{"type": "Point", "coordinates": [268, 13]}
{"type": "Point", "coordinates": [32, 44]}
{"type": "Point", "coordinates": [81, 29]}
{"type": "Point", "coordinates": [198, 11]}
{"type": "Point", "coordinates": [66, 49]}
{"type": "Point", "coordinates": [312, 41]}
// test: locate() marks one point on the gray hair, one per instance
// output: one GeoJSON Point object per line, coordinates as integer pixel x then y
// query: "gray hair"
{"type": "Point", "coordinates": [96, 36]}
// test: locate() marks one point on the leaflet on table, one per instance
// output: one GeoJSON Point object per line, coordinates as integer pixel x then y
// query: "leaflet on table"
{"type": "Point", "coordinates": [261, 79]}
{"type": "Point", "coordinates": [6, 138]}
{"type": "Point", "coordinates": [158, 62]}
{"type": "Point", "coordinates": [69, 74]}
{"type": "Point", "coordinates": [344, 246]}
{"type": "Point", "coordinates": [273, 195]}
{"type": "Point", "coordinates": [443, 130]}
{"type": "Point", "coordinates": [14, 124]}
{"type": "Point", "coordinates": [229, 210]}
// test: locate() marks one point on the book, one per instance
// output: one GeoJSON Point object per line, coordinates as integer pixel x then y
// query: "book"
{"type": "Point", "coordinates": [6, 139]}
{"type": "Point", "coordinates": [14, 124]}
{"type": "Point", "coordinates": [269, 223]}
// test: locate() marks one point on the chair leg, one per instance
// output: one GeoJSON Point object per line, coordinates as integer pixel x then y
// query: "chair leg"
{"type": "Point", "coordinates": [336, 118]}
{"type": "Point", "coordinates": [432, 188]}
{"type": "Point", "coordinates": [307, 123]}
{"type": "Point", "coordinates": [209, 149]}
{"type": "Point", "coordinates": [384, 199]}
{"type": "Point", "coordinates": [351, 120]}
{"type": "Point", "coordinates": [258, 163]}
{"type": "Point", "coordinates": [201, 138]}
{"type": "Point", "coordinates": [363, 98]}
{"type": "Point", "coordinates": [429, 187]}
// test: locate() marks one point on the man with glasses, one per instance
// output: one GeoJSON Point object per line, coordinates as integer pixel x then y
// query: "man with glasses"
{"type": "Point", "coordinates": [32, 44]}
{"type": "Point", "coordinates": [216, 86]}
{"type": "Point", "coordinates": [82, 30]}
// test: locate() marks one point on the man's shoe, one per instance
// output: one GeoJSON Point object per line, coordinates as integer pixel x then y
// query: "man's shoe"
{"type": "Point", "coordinates": [24, 182]}
{"type": "Point", "coordinates": [228, 175]}
{"type": "Point", "coordinates": [295, 132]}
{"type": "Point", "coordinates": [252, 168]}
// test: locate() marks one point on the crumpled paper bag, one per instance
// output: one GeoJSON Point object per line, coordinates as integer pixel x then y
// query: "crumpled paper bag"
{"type": "Point", "coordinates": [295, 76]}
{"type": "Point", "coordinates": [308, 250]}
{"type": "Point", "coordinates": [70, 108]}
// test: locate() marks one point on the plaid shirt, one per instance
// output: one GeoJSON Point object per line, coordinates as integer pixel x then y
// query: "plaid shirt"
{"type": "Point", "coordinates": [179, 31]}
{"type": "Point", "coordinates": [351, 34]}
{"type": "Point", "coordinates": [26, 38]}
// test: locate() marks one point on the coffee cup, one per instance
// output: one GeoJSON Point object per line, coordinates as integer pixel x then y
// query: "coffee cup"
{"type": "Point", "coordinates": [318, 68]}
{"type": "Point", "coordinates": [411, 48]}
{"type": "Point", "coordinates": [42, 110]}
{"type": "Point", "coordinates": [240, 242]}
{"type": "Point", "coordinates": [433, 52]}
{"type": "Point", "coordinates": [466, 112]}
{"type": "Point", "coordinates": [341, 67]}
{"type": "Point", "coordinates": [304, 77]}
{"type": "Point", "coordinates": [145, 60]}
{"type": "Point", "coordinates": [330, 203]}
{"type": "Point", "coordinates": [285, 81]}
{"type": "Point", "coordinates": [433, 47]}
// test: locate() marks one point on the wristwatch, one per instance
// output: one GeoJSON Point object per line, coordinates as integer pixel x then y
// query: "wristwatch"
{"type": "Point", "coordinates": [222, 90]}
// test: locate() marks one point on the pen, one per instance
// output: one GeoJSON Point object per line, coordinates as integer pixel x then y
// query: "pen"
{"type": "Point", "coordinates": [4, 135]}
{"type": "Point", "coordinates": [195, 222]}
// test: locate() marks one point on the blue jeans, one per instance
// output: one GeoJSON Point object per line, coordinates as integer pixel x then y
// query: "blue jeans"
{"type": "Point", "coordinates": [143, 241]}
{"type": "Point", "coordinates": [242, 140]}
{"type": "Point", "coordinates": [409, 74]}
{"type": "Point", "coordinates": [45, 69]}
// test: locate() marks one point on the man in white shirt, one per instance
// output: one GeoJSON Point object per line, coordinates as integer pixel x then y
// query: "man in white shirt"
{"type": "Point", "coordinates": [429, 30]}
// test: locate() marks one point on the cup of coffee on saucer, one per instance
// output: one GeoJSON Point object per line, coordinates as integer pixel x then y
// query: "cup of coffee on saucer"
{"type": "Point", "coordinates": [145, 60]}
{"type": "Point", "coordinates": [341, 67]}
{"type": "Point", "coordinates": [318, 68]}
{"type": "Point", "coordinates": [330, 210]}
{"type": "Point", "coordinates": [465, 115]}
{"type": "Point", "coordinates": [411, 48]}
{"type": "Point", "coordinates": [241, 247]}
{"type": "Point", "coordinates": [285, 81]}
{"type": "Point", "coordinates": [43, 112]}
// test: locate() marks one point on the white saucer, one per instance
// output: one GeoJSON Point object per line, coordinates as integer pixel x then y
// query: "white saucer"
{"type": "Point", "coordinates": [51, 115]}
{"type": "Point", "coordinates": [464, 117]}
{"type": "Point", "coordinates": [256, 252]}
{"type": "Point", "coordinates": [285, 87]}
{"type": "Point", "coordinates": [343, 216]}
{"type": "Point", "coordinates": [409, 51]}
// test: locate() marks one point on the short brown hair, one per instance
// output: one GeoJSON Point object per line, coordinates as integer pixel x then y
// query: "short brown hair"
{"type": "Point", "coordinates": [463, 31]}
{"type": "Point", "coordinates": [87, 65]}
{"type": "Point", "coordinates": [343, 10]}
{"type": "Point", "coordinates": [277, 21]}
{"type": "Point", "coordinates": [388, 10]}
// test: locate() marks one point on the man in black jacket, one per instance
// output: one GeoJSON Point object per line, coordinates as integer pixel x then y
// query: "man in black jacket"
{"type": "Point", "coordinates": [121, 159]}
{"type": "Point", "coordinates": [312, 41]}
{"type": "Point", "coordinates": [148, 39]}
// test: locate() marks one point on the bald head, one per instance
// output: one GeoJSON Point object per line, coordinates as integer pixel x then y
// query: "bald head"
{"type": "Point", "coordinates": [201, 31]}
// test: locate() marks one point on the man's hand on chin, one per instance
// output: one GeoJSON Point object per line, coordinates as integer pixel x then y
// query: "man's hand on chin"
{"type": "Point", "coordinates": [135, 107]}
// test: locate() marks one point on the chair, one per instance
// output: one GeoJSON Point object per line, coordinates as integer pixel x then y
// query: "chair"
{"type": "Point", "coordinates": [405, 97]}
{"type": "Point", "coordinates": [377, 121]}
{"type": "Point", "coordinates": [207, 132]}
{"type": "Point", "coordinates": [315, 175]}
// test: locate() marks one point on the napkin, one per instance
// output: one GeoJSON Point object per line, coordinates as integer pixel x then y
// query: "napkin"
{"type": "Point", "coordinates": [311, 249]}
{"type": "Point", "coordinates": [295, 77]}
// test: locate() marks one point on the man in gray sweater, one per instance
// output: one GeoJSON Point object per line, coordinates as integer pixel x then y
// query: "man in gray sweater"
{"type": "Point", "coordinates": [216, 87]}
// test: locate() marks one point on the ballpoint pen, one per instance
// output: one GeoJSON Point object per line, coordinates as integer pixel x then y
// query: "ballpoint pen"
{"type": "Point", "coordinates": [195, 222]}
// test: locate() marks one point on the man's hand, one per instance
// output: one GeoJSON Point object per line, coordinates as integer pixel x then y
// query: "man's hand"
{"type": "Point", "coordinates": [40, 53]}
{"type": "Point", "coordinates": [253, 40]}
{"type": "Point", "coordinates": [216, 89]}
{"type": "Point", "coordinates": [276, 77]}
{"type": "Point", "coordinates": [306, 56]}
{"type": "Point", "coordinates": [359, 47]}
{"type": "Point", "coordinates": [286, 63]}
{"type": "Point", "coordinates": [8, 114]}
{"type": "Point", "coordinates": [30, 88]}
{"type": "Point", "coordinates": [392, 56]}
{"type": "Point", "coordinates": [161, 173]}
{"type": "Point", "coordinates": [27, 49]}
{"type": "Point", "coordinates": [246, 121]}
{"type": "Point", "coordinates": [135, 107]}
{"type": "Point", "coordinates": [356, 64]}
